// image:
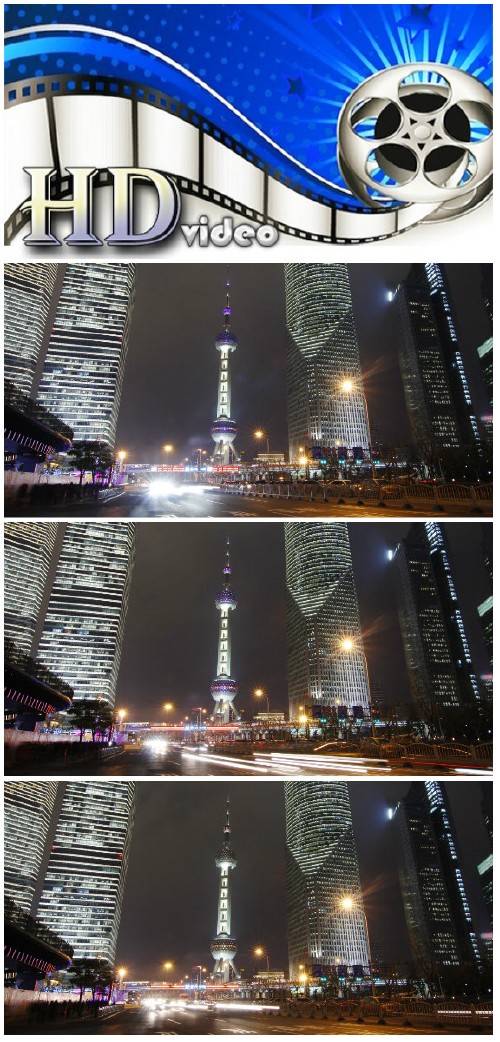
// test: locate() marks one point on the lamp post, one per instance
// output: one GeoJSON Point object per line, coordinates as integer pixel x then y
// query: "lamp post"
{"type": "Point", "coordinates": [260, 435]}
{"type": "Point", "coordinates": [261, 953]}
{"type": "Point", "coordinates": [260, 692]}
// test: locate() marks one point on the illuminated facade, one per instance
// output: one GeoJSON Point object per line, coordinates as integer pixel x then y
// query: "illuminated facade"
{"type": "Point", "coordinates": [28, 292]}
{"type": "Point", "coordinates": [28, 551]}
{"type": "Point", "coordinates": [224, 429]}
{"type": "Point", "coordinates": [224, 688]}
{"type": "Point", "coordinates": [467, 679]}
{"type": "Point", "coordinates": [223, 946]}
{"type": "Point", "coordinates": [28, 808]}
{"type": "Point", "coordinates": [326, 402]}
{"type": "Point", "coordinates": [435, 902]}
{"type": "Point", "coordinates": [326, 660]}
{"type": "Point", "coordinates": [85, 879]}
{"type": "Point", "coordinates": [430, 634]}
{"type": "Point", "coordinates": [85, 619]}
{"type": "Point", "coordinates": [326, 919]}
{"type": "Point", "coordinates": [437, 394]}
{"type": "Point", "coordinates": [83, 371]}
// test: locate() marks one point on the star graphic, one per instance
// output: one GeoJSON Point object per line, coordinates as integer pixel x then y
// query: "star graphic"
{"type": "Point", "coordinates": [296, 86]}
{"type": "Point", "coordinates": [234, 20]}
{"type": "Point", "coordinates": [317, 11]}
{"type": "Point", "coordinates": [417, 21]}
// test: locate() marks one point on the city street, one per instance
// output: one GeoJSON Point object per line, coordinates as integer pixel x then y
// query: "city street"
{"type": "Point", "coordinates": [193, 502]}
{"type": "Point", "coordinates": [133, 1021]}
{"type": "Point", "coordinates": [182, 761]}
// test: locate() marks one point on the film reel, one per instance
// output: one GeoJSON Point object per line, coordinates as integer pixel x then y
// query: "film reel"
{"type": "Point", "coordinates": [418, 134]}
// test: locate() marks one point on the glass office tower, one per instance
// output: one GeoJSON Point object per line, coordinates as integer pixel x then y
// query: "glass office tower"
{"type": "Point", "coordinates": [28, 293]}
{"type": "Point", "coordinates": [28, 552]}
{"type": "Point", "coordinates": [326, 920]}
{"type": "Point", "coordinates": [82, 894]}
{"type": "Point", "coordinates": [326, 403]}
{"type": "Point", "coordinates": [435, 902]}
{"type": "Point", "coordinates": [326, 661]}
{"type": "Point", "coordinates": [28, 808]}
{"type": "Point", "coordinates": [85, 362]}
{"type": "Point", "coordinates": [85, 620]}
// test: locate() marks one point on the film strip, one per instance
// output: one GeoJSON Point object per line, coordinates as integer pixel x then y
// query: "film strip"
{"type": "Point", "coordinates": [136, 126]}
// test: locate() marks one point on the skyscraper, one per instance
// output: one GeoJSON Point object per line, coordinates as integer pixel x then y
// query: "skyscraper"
{"type": "Point", "coordinates": [85, 879]}
{"type": "Point", "coordinates": [326, 403]}
{"type": "Point", "coordinates": [84, 625]}
{"type": "Point", "coordinates": [436, 650]}
{"type": "Point", "coordinates": [28, 292]}
{"type": "Point", "coordinates": [485, 608]}
{"type": "Point", "coordinates": [452, 613]}
{"type": "Point", "coordinates": [28, 550]}
{"type": "Point", "coordinates": [434, 898]}
{"type": "Point", "coordinates": [224, 688]}
{"type": "Point", "coordinates": [485, 867]}
{"type": "Point", "coordinates": [223, 946]}
{"type": "Point", "coordinates": [326, 661]}
{"type": "Point", "coordinates": [326, 920]}
{"type": "Point", "coordinates": [435, 384]}
{"type": "Point", "coordinates": [224, 429]}
{"type": "Point", "coordinates": [85, 363]}
{"type": "Point", "coordinates": [28, 808]}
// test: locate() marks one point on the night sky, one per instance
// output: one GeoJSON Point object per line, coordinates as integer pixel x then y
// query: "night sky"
{"type": "Point", "coordinates": [170, 646]}
{"type": "Point", "coordinates": [169, 910]}
{"type": "Point", "coordinates": [169, 392]}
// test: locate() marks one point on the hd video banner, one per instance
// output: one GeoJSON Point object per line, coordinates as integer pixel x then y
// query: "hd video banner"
{"type": "Point", "coordinates": [330, 123]}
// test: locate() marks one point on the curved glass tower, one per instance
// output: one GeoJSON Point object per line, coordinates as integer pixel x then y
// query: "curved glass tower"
{"type": "Point", "coordinates": [85, 363]}
{"type": "Point", "coordinates": [326, 403]}
{"type": "Point", "coordinates": [28, 291]}
{"type": "Point", "coordinates": [326, 661]}
{"type": "Point", "coordinates": [28, 551]}
{"type": "Point", "coordinates": [85, 878]}
{"type": "Point", "coordinates": [84, 625]}
{"type": "Point", "coordinates": [28, 807]}
{"type": "Point", "coordinates": [326, 919]}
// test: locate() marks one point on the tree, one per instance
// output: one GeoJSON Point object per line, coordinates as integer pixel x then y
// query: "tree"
{"type": "Point", "coordinates": [95, 456]}
{"type": "Point", "coordinates": [93, 715]}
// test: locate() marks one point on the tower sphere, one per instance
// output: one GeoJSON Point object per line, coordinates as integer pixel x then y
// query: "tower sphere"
{"type": "Point", "coordinates": [226, 341]}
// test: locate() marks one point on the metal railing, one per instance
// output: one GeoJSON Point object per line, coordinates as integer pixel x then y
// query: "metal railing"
{"type": "Point", "coordinates": [407, 492]}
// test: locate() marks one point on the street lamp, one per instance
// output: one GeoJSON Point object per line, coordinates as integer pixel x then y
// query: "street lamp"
{"type": "Point", "coordinates": [168, 706]}
{"type": "Point", "coordinates": [259, 434]}
{"type": "Point", "coordinates": [259, 692]}
{"type": "Point", "coordinates": [168, 448]}
{"type": "Point", "coordinates": [121, 455]}
{"type": "Point", "coordinates": [122, 973]}
{"type": "Point", "coordinates": [168, 965]}
{"type": "Point", "coordinates": [347, 386]}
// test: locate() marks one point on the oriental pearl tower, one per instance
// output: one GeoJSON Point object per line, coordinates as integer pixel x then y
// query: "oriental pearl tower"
{"type": "Point", "coordinates": [224, 429]}
{"type": "Point", "coordinates": [224, 689]}
{"type": "Point", "coordinates": [223, 946]}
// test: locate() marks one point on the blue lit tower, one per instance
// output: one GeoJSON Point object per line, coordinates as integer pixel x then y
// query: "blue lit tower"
{"type": "Point", "coordinates": [223, 946]}
{"type": "Point", "coordinates": [224, 689]}
{"type": "Point", "coordinates": [224, 428]}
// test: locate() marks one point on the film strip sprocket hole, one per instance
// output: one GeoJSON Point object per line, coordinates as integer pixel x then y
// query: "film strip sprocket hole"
{"type": "Point", "coordinates": [131, 125]}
